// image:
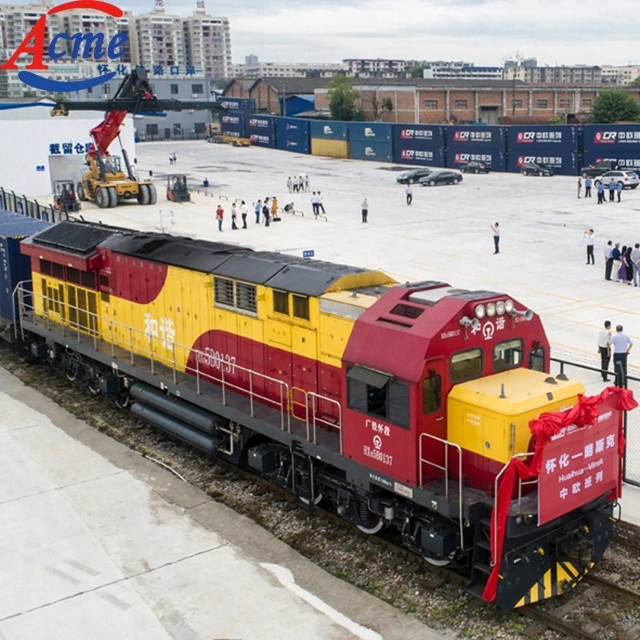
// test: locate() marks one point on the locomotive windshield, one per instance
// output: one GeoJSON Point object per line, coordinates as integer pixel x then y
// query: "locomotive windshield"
{"type": "Point", "coordinates": [507, 355]}
{"type": "Point", "coordinates": [466, 365]}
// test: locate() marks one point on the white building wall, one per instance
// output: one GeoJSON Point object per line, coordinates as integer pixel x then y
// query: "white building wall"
{"type": "Point", "coordinates": [27, 136]}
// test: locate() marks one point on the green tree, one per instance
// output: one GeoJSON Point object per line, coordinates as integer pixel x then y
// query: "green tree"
{"type": "Point", "coordinates": [342, 98]}
{"type": "Point", "coordinates": [635, 83]}
{"type": "Point", "coordinates": [415, 70]}
{"type": "Point", "coordinates": [613, 105]}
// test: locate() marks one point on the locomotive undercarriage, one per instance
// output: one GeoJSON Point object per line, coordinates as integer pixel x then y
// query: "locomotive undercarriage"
{"type": "Point", "coordinates": [536, 562]}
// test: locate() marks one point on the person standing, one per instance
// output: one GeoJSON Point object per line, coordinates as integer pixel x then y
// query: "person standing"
{"type": "Point", "coordinates": [266, 212]}
{"type": "Point", "coordinates": [612, 190]}
{"type": "Point", "coordinates": [587, 187]}
{"type": "Point", "coordinates": [365, 211]}
{"type": "Point", "coordinates": [409, 193]}
{"type": "Point", "coordinates": [219, 216]}
{"type": "Point", "coordinates": [234, 217]}
{"type": "Point", "coordinates": [257, 209]}
{"type": "Point", "coordinates": [496, 237]}
{"type": "Point", "coordinates": [244, 210]}
{"type": "Point", "coordinates": [307, 183]}
{"type": "Point", "coordinates": [600, 191]}
{"type": "Point", "coordinates": [320, 205]}
{"type": "Point", "coordinates": [314, 205]}
{"type": "Point", "coordinates": [274, 208]}
{"type": "Point", "coordinates": [590, 240]}
{"type": "Point", "coordinates": [615, 255]}
{"type": "Point", "coordinates": [604, 349]}
{"type": "Point", "coordinates": [635, 258]}
{"type": "Point", "coordinates": [579, 186]}
{"type": "Point", "coordinates": [290, 184]}
{"type": "Point", "coordinates": [608, 260]}
{"type": "Point", "coordinates": [619, 188]}
{"type": "Point", "coordinates": [620, 347]}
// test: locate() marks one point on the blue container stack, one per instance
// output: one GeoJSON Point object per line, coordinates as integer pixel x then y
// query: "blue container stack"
{"type": "Point", "coordinates": [292, 134]}
{"type": "Point", "coordinates": [329, 130]}
{"type": "Point", "coordinates": [371, 141]}
{"type": "Point", "coordinates": [619, 142]}
{"type": "Point", "coordinates": [261, 130]}
{"type": "Point", "coordinates": [553, 145]}
{"type": "Point", "coordinates": [475, 143]}
{"type": "Point", "coordinates": [234, 124]}
{"type": "Point", "coordinates": [418, 144]}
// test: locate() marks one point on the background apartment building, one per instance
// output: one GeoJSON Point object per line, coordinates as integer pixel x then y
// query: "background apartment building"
{"type": "Point", "coordinates": [253, 69]}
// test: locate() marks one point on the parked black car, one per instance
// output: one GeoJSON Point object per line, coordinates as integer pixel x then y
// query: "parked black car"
{"type": "Point", "coordinates": [475, 167]}
{"type": "Point", "coordinates": [441, 177]}
{"type": "Point", "coordinates": [413, 176]}
{"type": "Point", "coordinates": [598, 168]}
{"type": "Point", "coordinates": [536, 169]}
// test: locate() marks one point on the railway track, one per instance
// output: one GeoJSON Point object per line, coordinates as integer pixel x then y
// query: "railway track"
{"type": "Point", "coordinates": [405, 580]}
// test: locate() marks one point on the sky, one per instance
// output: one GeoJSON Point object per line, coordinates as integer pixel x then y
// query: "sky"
{"type": "Point", "coordinates": [485, 32]}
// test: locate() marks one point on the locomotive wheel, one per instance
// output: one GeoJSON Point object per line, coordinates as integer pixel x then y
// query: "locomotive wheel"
{"type": "Point", "coordinates": [102, 197]}
{"type": "Point", "coordinates": [437, 562]}
{"type": "Point", "coordinates": [372, 530]}
{"type": "Point", "coordinates": [153, 194]}
{"type": "Point", "coordinates": [113, 197]}
{"type": "Point", "coordinates": [370, 523]}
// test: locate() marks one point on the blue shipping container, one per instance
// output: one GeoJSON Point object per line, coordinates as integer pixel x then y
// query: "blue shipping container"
{"type": "Point", "coordinates": [370, 131]}
{"type": "Point", "coordinates": [261, 130]}
{"type": "Point", "coordinates": [329, 130]}
{"type": "Point", "coordinates": [626, 160]}
{"type": "Point", "coordinates": [235, 121]}
{"type": "Point", "coordinates": [494, 158]}
{"type": "Point", "coordinates": [562, 162]}
{"type": "Point", "coordinates": [416, 136]}
{"type": "Point", "coordinates": [602, 136]}
{"type": "Point", "coordinates": [376, 151]}
{"type": "Point", "coordinates": [246, 105]}
{"type": "Point", "coordinates": [411, 152]}
{"type": "Point", "coordinates": [292, 134]}
{"type": "Point", "coordinates": [520, 138]}
{"type": "Point", "coordinates": [15, 265]}
{"type": "Point", "coordinates": [486, 136]}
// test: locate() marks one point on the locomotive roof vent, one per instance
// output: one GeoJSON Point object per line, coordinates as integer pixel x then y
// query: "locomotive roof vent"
{"type": "Point", "coordinates": [431, 296]}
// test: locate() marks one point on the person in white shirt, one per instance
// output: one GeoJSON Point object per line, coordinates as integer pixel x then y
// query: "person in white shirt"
{"type": "Point", "coordinates": [409, 193]}
{"type": "Point", "coordinates": [604, 349]}
{"type": "Point", "coordinates": [590, 238]}
{"type": "Point", "coordinates": [620, 346]}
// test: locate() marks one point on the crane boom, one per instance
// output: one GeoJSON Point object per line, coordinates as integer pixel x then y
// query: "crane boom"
{"type": "Point", "coordinates": [134, 95]}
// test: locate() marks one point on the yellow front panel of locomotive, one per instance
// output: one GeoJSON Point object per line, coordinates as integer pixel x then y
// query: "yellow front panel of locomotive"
{"type": "Point", "coordinates": [490, 416]}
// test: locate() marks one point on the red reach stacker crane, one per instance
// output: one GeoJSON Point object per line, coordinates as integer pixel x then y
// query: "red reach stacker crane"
{"type": "Point", "coordinates": [110, 179]}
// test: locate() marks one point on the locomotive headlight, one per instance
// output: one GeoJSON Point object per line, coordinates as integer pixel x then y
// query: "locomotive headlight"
{"type": "Point", "coordinates": [500, 308]}
{"type": "Point", "coordinates": [480, 311]}
{"type": "Point", "coordinates": [491, 309]}
{"type": "Point", "coordinates": [508, 305]}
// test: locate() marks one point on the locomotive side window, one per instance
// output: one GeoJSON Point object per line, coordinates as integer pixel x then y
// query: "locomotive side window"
{"type": "Point", "coordinates": [466, 365]}
{"type": "Point", "coordinates": [281, 302]}
{"type": "Point", "coordinates": [379, 395]}
{"type": "Point", "coordinates": [536, 359]}
{"type": "Point", "coordinates": [300, 306]}
{"type": "Point", "coordinates": [431, 396]}
{"type": "Point", "coordinates": [507, 355]}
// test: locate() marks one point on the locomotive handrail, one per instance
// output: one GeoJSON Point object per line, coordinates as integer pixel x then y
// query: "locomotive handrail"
{"type": "Point", "coordinates": [314, 397]}
{"type": "Point", "coordinates": [494, 532]}
{"type": "Point", "coordinates": [445, 468]}
{"type": "Point", "coordinates": [134, 346]}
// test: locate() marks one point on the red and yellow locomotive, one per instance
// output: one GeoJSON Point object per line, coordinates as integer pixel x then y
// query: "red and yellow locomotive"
{"type": "Point", "coordinates": [404, 405]}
